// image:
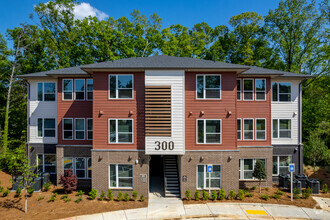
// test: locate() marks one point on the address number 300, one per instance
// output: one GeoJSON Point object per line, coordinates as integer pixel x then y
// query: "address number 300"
{"type": "Point", "coordinates": [164, 145]}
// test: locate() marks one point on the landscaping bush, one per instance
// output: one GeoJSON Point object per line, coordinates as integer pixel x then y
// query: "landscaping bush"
{"type": "Point", "coordinates": [296, 193]}
{"type": "Point", "coordinates": [126, 197]}
{"type": "Point", "coordinates": [68, 181]}
{"type": "Point", "coordinates": [40, 198]}
{"type": "Point", "coordinates": [264, 197]}
{"type": "Point", "coordinates": [18, 192]}
{"type": "Point", "coordinates": [214, 195]}
{"type": "Point", "coordinates": [5, 193]}
{"type": "Point", "coordinates": [276, 196]}
{"type": "Point", "coordinates": [240, 194]}
{"type": "Point", "coordinates": [78, 200]}
{"type": "Point", "coordinates": [142, 198]}
{"type": "Point", "coordinates": [325, 188]}
{"type": "Point", "coordinates": [67, 200]}
{"type": "Point", "coordinates": [197, 195]}
{"type": "Point", "coordinates": [253, 187]}
{"type": "Point", "coordinates": [110, 195]}
{"type": "Point", "coordinates": [205, 195]}
{"type": "Point", "coordinates": [30, 191]}
{"type": "Point", "coordinates": [52, 198]}
{"type": "Point", "coordinates": [307, 193]}
{"type": "Point", "coordinates": [46, 186]}
{"type": "Point", "coordinates": [80, 193]}
{"type": "Point", "coordinates": [102, 196]}
{"type": "Point", "coordinates": [222, 194]}
{"type": "Point", "coordinates": [231, 194]}
{"type": "Point", "coordinates": [135, 195]}
{"type": "Point", "coordinates": [248, 194]}
{"type": "Point", "coordinates": [1, 189]}
{"type": "Point", "coordinates": [279, 192]}
{"type": "Point", "coordinates": [188, 195]}
{"type": "Point", "coordinates": [266, 188]}
{"type": "Point", "coordinates": [64, 197]}
{"type": "Point", "coordinates": [92, 194]}
{"type": "Point", "coordinates": [120, 196]}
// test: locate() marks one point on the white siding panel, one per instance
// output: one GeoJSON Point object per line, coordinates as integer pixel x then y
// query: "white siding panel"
{"type": "Point", "coordinates": [40, 109]}
{"type": "Point", "coordinates": [288, 110]}
{"type": "Point", "coordinates": [176, 80]}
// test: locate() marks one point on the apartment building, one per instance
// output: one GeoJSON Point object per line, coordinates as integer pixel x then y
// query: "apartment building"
{"type": "Point", "coordinates": [137, 123]}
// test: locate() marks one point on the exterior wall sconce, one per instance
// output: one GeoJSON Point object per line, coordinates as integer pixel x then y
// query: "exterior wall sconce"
{"type": "Point", "coordinates": [229, 112]}
{"type": "Point", "coordinates": [202, 113]}
{"type": "Point", "coordinates": [229, 158]}
{"type": "Point", "coordinates": [201, 158]}
{"type": "Point", "coordinates": [136, 161]}
{"type": "Point", "coordinates": [190, 113]}
{"type": "Point", "coordinates": [294, 114]}
{"type": "Point", "coordinates": [130, 158]}
{"type": "Point", "coordinates": [130, 113]}
{"type": "Point", "coordinates": [190, 159]}
{"type": "Point", "coordinates": [101, 113]}
{"type": "Point", "coordinates": [100, 158]}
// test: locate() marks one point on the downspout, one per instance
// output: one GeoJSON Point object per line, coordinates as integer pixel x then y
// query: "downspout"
{"type": "Point", "coordinates": [28, 121]}
{"type": "Point", "coordinates": [300, 145]}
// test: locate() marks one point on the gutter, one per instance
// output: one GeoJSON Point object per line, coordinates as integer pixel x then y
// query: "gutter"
{"type": "Point", "coordinates": [28, 120]}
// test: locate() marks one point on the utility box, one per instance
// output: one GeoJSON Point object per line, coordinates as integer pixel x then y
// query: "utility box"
{"type": "Point", "coordinates": [314, 185]}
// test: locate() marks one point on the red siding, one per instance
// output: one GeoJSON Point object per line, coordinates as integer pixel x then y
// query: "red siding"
{"type": "Point", "coordinates": [117, 109]}
{"type": "Point", "coordinates": [72, 109]}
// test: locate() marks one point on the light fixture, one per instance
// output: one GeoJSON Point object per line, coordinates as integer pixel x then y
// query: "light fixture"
{"type": "Point", "coordinates": [136, 161]}
{"type": "Point", "coordinates": [202, 112]}
{"type": "Point", "coordinates": [130, 113]}
{"type": "Point", "coordinates": [190, 159]}
{"type": "Point", "coordinates": [201, 158]}
{"type": "Point", "coordinates": [130, 158]}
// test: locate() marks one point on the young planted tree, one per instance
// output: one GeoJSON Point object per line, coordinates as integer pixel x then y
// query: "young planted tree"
{"type": "Point", "coordinates": [259, 172]}
{"type": "Point", "coordinates": [68, 181]}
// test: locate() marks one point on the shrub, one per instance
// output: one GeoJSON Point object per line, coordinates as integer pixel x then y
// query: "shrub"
{"type": "Point", "coordinates": [40, 198]}
{"type": "Point", "coordinates": [64, 197]}
{"type": "Point", "coordinates": [264, 197]}
{"type": "Point", "coordinates": [253, 187]}
{"type": "Point", "coordinates": [197, 195]}
{"type": "Point", "coordinates": [296, 193]}
{"type": "Point", "coordinates": [276, 196]}
{"type": "Point", "coordinates": [52, 198]}
{"type": "Point", "coordinates": [46, 186]}
{"type": "Point", "coordinates": [214, 195]}
{"type": "Point", "coordinates": [1, 189]}
{"type": "Point", "coordinates": [279, 192]}
{"type": "Point", "coordinates": [266, 188]}
{"type": "Point", "coordinates": [188, 195]}
{"type": "Point", "coordinates": [67, 200]}
{"type": "Point", "coordinates": [241, 194]}
{"type": "Point", "coordinates": [231, 194]}
{"type": "Point", "coordinates": [102, 196]}
{"type": "Point", "coordinates": [110, 195]}
{"type": "Point", "coordinates": [80, 193]}
{"type": "Point", "coordinates": [5, 193]}
{"type": "Point", "coordinates": [222, 194]}
{"type": "Point", "coordinates": [259, 172]}
{"type": "Point", "coordinates": [78, 200]}
{"type": "Point", "coordinates": [205, 195]}
{"type": "Point", "coordinates": [30, 191]}
{"type": "Point", "coordinates": [307, 193]}
{"type": "Point", "coordinates": [142, 198]}
{"type": "Point", "coordinates": [325, 188]}
{"type": "Point", "coordinates": [92, 194]}
{"type": "Point", "coordinates": [68, 181]}
{"type": "Point", "coordinates": [248, 194]}
{"type": "Point", "coordinates": [126, 197]}
{"type": "Point", "coordinates": [120, 196]}
{"type": "Point", "coordinates": [18, 192]}
{"type": "Point", "coordinates": [135, 195]}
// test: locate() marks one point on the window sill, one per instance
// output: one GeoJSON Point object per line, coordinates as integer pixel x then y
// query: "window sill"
{"type": "Point", "coordinates": [254, 180]}
{"type": "Point", "coordinates": [122, 188]}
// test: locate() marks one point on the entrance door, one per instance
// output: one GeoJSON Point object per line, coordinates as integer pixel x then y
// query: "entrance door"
{"type": "Point", "coordinates": [156, 176]}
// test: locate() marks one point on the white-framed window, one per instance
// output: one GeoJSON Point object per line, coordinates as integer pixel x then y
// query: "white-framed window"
{"type": "Point", "coordinates": [67, 87]}
{"type": "Point", "coordinates": [208, 131]}
{"type": "Point", "coordinates": [46, 163]}
{"type": "Point", "coordinates": [246, 167]}
{"type": "Point", "coordinates": [89, 129]}
{"type": "Point", "coordinates": [248, 129]}
{"type": "Point", "coordinates": [121, 86]}
{"type": "Point", "coordinates": [121, 176]}
{"type": "Point", "coordinates": [239, 129]}
{"type": "Point", "coordinates": [120, 131]}
{"type": "Point", "coordinates": [239, 89]}
{"type": "Point", "coordinates": [79, 128]}
{"type": "Point", "coordinates": [281, 92]}
{"type": "Point", "coordinates": [281, 164]}
{"type": "Point", "coordinates": [79, 89]}
{"type": "Point", "coordinates": [248, 89]}
{"type": "Point", "coordinates": [260, 89]}
{"type": "Point", "coordinates": [46, 91]}
{"type": "Point", "coordinates": [281, 128]}
{"type": "Point", "coordinates": [203, 177]}
{"type": "Point", "coordinates": [260, 129]}
{"type": "Point", "coordinates": [67, 128]}
{"type": "Point", "coordinates": [46, 127]}
{"type": "Point", "coordinates": [208, 86]}
{"type": "Point", "coordinates": [80, 166]}
{"type": "Point", "coordinates": [89, 89]}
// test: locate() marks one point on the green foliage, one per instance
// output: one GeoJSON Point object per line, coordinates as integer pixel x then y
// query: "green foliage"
{"type": "Point", "coordinates": [40, 198]}
{"type": "Point", "coordinates": [214, 195]}
{"type": "Point", "coordinates": [276, 196]}
{"type": "Point", "coordinates": [248, 194]}
{"type": "Point", "coordinates": [222, 194]}
{"type": "Point", "coordinates": [135, 195]}
{"type": "Point", "coordinates": [253, 187]}
{"type": "Point", "coordinates": [1, 189]}
{"type": "Point", "coordinates": [5, 193]}
{"type": "Point", "coordinates": [325, 188]}
{"type": "Point", "coordinates": [197, 195]}
{"type": "Point", "coordinates": [296, 193]}
{"type": "Point", "coordinates": [264, 197]}
{"type": "Point", "coordinates": [46, 186]}
{"type": "Point", "coordinates": [241, 194]}
{"type": "Point", "coordinates": [231, 194]}
{"type": "Point", "coordinates": [120, 196]}
{"type": "Point", "coordinates": [279, 192]}
{"type": "Point", "coordinates": [78, 200]}
{"type": "Point", "coordinates": [18, 192]}
{"type": "Point", "coordinates": [80, 193]}
{"type": "Point", "coordinates": [30, 191]}
{"type": "Point", "coordinates": [64, 197]}
{"type": "Point", "coordinates": [259, 172]}
{"type": "Point", "coordinates": [102, 196]}
{"type": "Point", "coordinates": [206, 195]}
{"type": "Point", "coordinates": [67, 200]}
{"type": "Point", "coordinates": [127, 197]}
{"type": "Point", "coordinates": [110, 195]}
{"type": "Point", "coordinates": [266, 188]}
{"type": "Point", "coordinates": [142, 198]}
{"type": "Point", "coordinates": [188, 195]}
{"type": "Point", "coordinates": [306, 193]}
{"type": "Point", "coordinates": [53, 198]}
{"type": "Point", "coordinates": [92, 194]}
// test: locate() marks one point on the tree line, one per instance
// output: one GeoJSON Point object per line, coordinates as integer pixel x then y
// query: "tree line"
{"type": "Point", "coordinates": [293, 37]}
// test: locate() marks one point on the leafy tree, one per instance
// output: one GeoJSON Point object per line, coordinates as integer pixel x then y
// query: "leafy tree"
{"type": "Point", "coordinates": [68, 181]}
{"type": "Point", "coordinates": [259, 172]}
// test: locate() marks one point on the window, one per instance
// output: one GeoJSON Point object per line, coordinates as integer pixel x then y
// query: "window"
{"type": "Point", "coordinates": [203, 178]}
{"type": "Point", "coordinates": [208, 86]}
{"type": "Point", "coordinates": [89, 129]}
{"type": "Point", "coordinates": [281, 91]}
{"type": "Point", "coordinates": [239, 129]}
{"type": "Point", "coordinates": [248, 129]}
{"type": "Point", "coordinates": [121, 176]}
{"type": "Point", "coordinates": [46, 127]}
{"type": "Point", "coordinates": [67, 128]}
{"type": "Point", "coordinates": [121, 131]}
{"type": "Point", "coordinates": [46, 163]}
{"type": "Point", "coordinates": [246, 167]}
{"type": "Point", "coordinates": [80, 166]}
{"type": "Point", "coordinates": [238, 89]}
{"type": "Point", "coordinates": [260, 89]}
{"type": "Point", "coordinates": [248, 89]}
{"type": "Point", "coordinates": [67, 89]}
{"type": "Point", "coordinates": [46, 91]}
{"type": "Point", "coordinates": [281, 128]}
{"type": "Point", "coordinates": [260, 129]}
{"type": "Point", "coordinates": [89, 86]}
{"type": "Point", "coordinates": [79, 89]}
{"type": "Point", "coordinates": [121, 86]}
{"type": "Point", "coordinates": [281, 165]}
{"type": "Point", "coordinates": [80, 128]}
{"type": "Point", "coordinates": [209, 131]}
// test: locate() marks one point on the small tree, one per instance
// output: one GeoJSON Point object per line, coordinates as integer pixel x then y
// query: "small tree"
{"type": "Point", "coordinates": [259, 172]}
{"type": "Point", "coordinates": [68, 181]}
{"type": "Point", "coordinates": [316, 149]}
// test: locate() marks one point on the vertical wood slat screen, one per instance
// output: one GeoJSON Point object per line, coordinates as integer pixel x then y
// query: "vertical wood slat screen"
{"type": "Point", "coordinates": [158, 111]}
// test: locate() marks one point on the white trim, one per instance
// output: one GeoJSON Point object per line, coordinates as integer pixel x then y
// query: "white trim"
{"type": "Point", "coordinates": [248, 130]}
{"type": "Point", "coordinates": [75, 129]}
{"type": "Point", "coordinates": [43, 162]}
{"type": "Point", "coordinates": [255, 89]}
{"type": "Point", "coordinates": [248, 90]}
{"type": "Point", "coordinates": [67, 130]}
{"type": "Point", "coordinates": [43, 92]}
{"type": "Point", "coordinates": [240, 138]}
{"type": "Point", "coordinates": [278, 128]}
{"type": "Point", "coordinates": [205, 177]}
{"type": "Point", "coordinates": [74, 89]}
{"type": "Point", "coordinates": [89, 90]}
{"type": "Point", "coordinates": [87, 119]}
{"type": "Point", "coordinates": [204, 142]}
{"type": "Point", "coordinates": [116, 75]}
{"type": "Point", "coordinates": [74, 166]}
{"type": "Point", "coordinates": [204, 86]}
{"type": "Point", "coordinates": [278, 93]}
{"type": "Point", "coordinates": [63, 91]}
{"type": "Point", "coordinates": [116, 119]}
{"type": "Point", "coordinates": [256, 130]}
{"type": "Point", "coordinates": [240, 89]}
{"type": "Point", "coordinates": [254, 161]}
{"type": "Point", "coordinates": [278, 163]}
{"type": "Point", "coordinates": [43, 127]}
{"type": "Point", "coordinates": [117, 182]}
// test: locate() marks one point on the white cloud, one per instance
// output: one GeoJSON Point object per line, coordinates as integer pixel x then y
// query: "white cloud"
{"type": "Point", "coordinates": [84, 9]}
